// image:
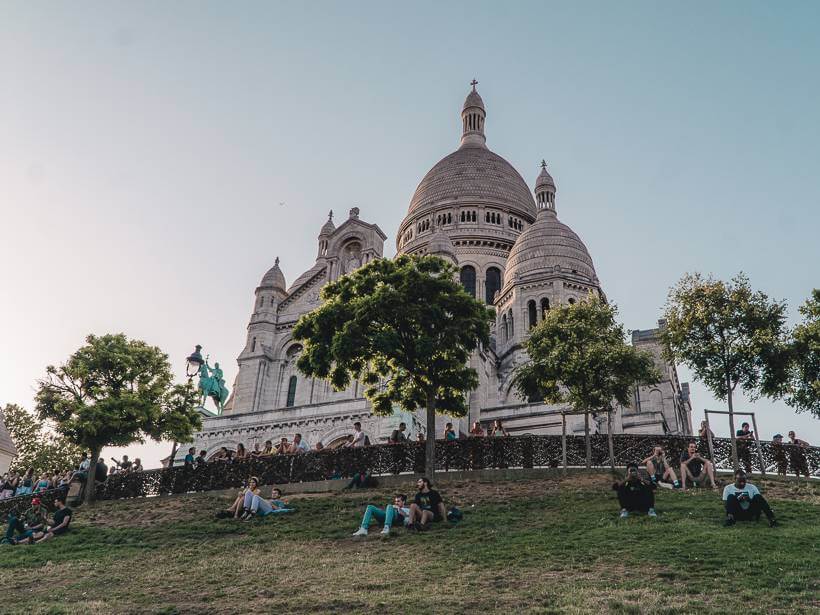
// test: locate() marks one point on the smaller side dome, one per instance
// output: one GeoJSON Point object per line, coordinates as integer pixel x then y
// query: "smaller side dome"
{"type": "Point", "coordinates": [328, 227]}
{"type": "Point", "coordinates": [545, 189]}
{"type": "Point", "coordinates": [441, 245]}
{"type": "Point", "coordinates": [274, 278]}
{"type": "Point", "coordinates": [473, 100]}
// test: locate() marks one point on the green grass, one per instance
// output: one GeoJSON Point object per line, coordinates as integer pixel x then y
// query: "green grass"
{"type": "Point", "coordinates": [546, 546]}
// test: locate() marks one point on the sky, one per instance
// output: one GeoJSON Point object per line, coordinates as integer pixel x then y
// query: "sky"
{"type": "Point", "coordinates": [156, 158]}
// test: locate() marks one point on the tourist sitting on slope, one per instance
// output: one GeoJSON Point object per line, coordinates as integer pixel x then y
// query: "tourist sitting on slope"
{"type": "Point", "coordinates": [658, 468]}
{"type": "Point", "coordinates": [62, 517]}
{"type": "Point", "coordinates": [35, 519]}
{"type": "Point", "coordinates": [397, 512]}
{"type": "Point", "coordinates": [635, 495]}
{"type": "Point", "coordinates": [744, 502]}
{"type": "Point", "coordinates": [237, 507]}
{"type": "Point", "coordinates": [255, 504]}
{"type": "Point", "coordinates": [695, 468]}
{"type": "Point", "coordinates": [427, 506]}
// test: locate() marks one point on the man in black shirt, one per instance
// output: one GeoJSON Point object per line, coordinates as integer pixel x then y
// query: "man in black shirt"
{"type": "Point", "coordinates": [744, 451]}
{"type": "Point", "coordinates": [101, 472]}
{"type": "Point", "coordinates": [634, 495]}
{"type": "Point", "coordinates": [427, 506]}
{"type": "Point", "coordinates": [62, 517]}
{"type": "Point", "coordinates": [695, 468]}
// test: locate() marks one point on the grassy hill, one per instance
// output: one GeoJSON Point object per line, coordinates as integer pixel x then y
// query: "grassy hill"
{"type": "Point", "coordinates": [545, 546]}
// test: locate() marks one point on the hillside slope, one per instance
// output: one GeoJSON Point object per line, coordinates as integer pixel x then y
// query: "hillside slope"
{"type": "Point", "coordinates": [546, 546]}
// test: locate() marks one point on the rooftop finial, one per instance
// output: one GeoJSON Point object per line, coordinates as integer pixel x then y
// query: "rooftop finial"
{"type": "Point", "coordinates": [543, 164]}
{"type": "Point", "coordinates": [330, 215]}
{"type": "Point", "coordinates": [276, 262]}
{"type": "Point", "coordinates": [474, 83]}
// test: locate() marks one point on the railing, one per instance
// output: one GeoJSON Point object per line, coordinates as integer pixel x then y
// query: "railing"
{"type": "Point", "coordinates": [465, 454]}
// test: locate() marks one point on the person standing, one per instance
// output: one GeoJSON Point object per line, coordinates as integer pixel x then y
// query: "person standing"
{"type": "Point", "coordinates": [449, 433]}
{"type": "Point", "coordinates": [744, 451]}
{"type": "Point", "coordinates": [397, 435]}
{"type": "Point", "coordinates": [358, 436]}
{"type": "Point", "coordinates": [796, 455]}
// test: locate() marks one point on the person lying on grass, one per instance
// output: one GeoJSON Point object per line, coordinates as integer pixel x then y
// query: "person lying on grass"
{"type": "Point", "coordinates": [397, 512]}
{"type": "Point", "coordinates": [62, 517]}
{"type": "Point", "coordinates": [744, 502]}
{"type": "Point", "coordinates": [427, 506]}
{"type": "Point", "coordinates": [236, 509]}
{"type": "Point", "coordinates": [635, 495]}
{"type": "Point", "coordinates": [658, 468]}
{"type": "Point", "coordinates": [695, 468]}
{"type": "Point", "coordinates": [254, 504]}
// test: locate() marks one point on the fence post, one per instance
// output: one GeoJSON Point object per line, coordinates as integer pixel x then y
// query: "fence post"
{"type": "Point", "coordinates": [564, 441]}
{"type": "Point", "coordinates": [709, 440]}
{"type": "Point", "coordinates": [609, 440]}
{"type": "Point", "coordinates": [757, 444]}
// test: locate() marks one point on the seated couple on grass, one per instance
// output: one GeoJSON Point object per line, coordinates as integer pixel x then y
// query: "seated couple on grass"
{"type": "Point", "coordinates": [250, 503]}
{"type": "Point", "coordinates": [33, 527]}
{"type": "Point", "coordinates": [426, 508]}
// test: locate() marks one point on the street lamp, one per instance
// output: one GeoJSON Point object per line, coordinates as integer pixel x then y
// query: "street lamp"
{"type": "Point", "coordinates": [194, 362]}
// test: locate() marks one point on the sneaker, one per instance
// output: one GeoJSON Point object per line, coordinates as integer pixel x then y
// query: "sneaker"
{"type": "Point", "coordinates": [360, 532]}
{"type": "Point", "coordinates": [773, 523]}
{"type": "Point", "coordinates": [676, 484]}
{"type": "Point", "coordinates": [386, 530]}
{"type": "Point", "coordinates": [652, 513]}
{"type": "Point", "coordinates": [417, 526]}
{"type": "Point", "coordinates": [730, 521]}
{"type": "Point", "coordinates": [624, 514]}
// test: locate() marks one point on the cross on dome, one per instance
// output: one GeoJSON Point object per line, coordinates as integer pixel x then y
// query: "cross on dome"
{"type": "Point", "coordinates": [474, 83]}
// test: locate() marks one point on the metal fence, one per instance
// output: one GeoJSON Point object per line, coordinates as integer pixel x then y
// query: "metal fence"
{"type": "Point", "coordinates": [464, 454]}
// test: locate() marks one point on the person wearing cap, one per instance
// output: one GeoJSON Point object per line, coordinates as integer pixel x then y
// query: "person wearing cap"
{"type": "Point", "coordinates": [635, 495]}
{"type": "Point", "coordinates": [62, 517]}
{"type": "Point", "coordinates": [33, 520]}
{"type": "Point", "coordinates": [744, 502]}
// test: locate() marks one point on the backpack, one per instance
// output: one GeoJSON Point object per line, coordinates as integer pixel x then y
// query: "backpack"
{"type": "Point", "coordinates": [454, 515]}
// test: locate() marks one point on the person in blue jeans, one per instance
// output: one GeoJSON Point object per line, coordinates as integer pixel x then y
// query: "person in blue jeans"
{"type": "Point", "coordinates": [392, 513]}
{"type": "Point", "coordinates": [255, 504]}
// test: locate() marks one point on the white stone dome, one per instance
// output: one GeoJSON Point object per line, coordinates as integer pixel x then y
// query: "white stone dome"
{"type": "Point", "coordinates": [546, 245]}
{"type": "Point", "coordinates": [470, 175]}
{"type": "Point", "coordinates": [274, 278]}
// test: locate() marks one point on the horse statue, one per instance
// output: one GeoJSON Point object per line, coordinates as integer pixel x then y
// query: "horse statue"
{"type": "Point", "coordinates": [212, 385]}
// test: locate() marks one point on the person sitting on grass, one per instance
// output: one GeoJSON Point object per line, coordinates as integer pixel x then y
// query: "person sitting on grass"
{"type": "Point", "coordinates": [634, 495]}
{"type": "Point", "coordinates": [658, 468]}
{"type": "Point", "coordinates": [392, 513]}
{"type": "Point", "coordinates": [237, 507]}
{"type": "Point", "coordinates": [35, 519]}
{"type": "Point", "coordinates": [62, 517]}
{"type": "Point", "coordinates": [427, 506]}
{"type": "Point", "coordinates": [255, 504]}
{"type": "Point", "coordinates": [744, 502]}
{"type": "Point", "coordinates": [695, 468]}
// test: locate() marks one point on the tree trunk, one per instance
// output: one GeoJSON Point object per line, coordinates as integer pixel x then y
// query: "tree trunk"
{"type": "Point", "coordinates": [587, 440]}
{"type": "Point", "coordinates": [735, 463]}
{"type": "Point", "coordinates": [430, 443]}
{"type": "Point", "coordinates": [91, 479]}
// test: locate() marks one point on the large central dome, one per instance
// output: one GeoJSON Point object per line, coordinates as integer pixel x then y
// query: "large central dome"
{"type": "Point", "coordinates": [474, 174]}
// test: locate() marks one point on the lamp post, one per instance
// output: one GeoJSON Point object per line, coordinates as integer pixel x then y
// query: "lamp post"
{"type": "Point", "coordinates": [192, 364]}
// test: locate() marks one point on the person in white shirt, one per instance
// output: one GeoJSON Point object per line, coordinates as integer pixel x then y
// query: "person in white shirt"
{"type": "Point", "coordinates": [392, 513]}
{"type": "Point", "coordinates": [299, 445]}
{"type": "Point", "coordinates": [358, 436]}
{"type": "Point", "coordinates": [744, 502]}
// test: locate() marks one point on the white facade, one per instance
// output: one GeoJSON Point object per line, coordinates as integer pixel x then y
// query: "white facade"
{"type": "Point", "coordinates": [7, 449]}
{"type": "Point", "coordinates": [476, 210]}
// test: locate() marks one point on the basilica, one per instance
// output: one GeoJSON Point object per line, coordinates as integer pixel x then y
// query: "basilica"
{"type": "Point", "coordinates": [512, 251]}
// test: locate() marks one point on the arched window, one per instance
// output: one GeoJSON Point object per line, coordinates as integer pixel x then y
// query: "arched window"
{"type": "Point", "coordinates": [253, 345]}
{"type": "Point", "coordinates": [532, 313]}
{"type": "Point", "coordinates": [291, 392]}
{"type": "Point", "coordinates": [571, 301]}
{"type": "Point", "coordinates": [492, 284]}
{"type": "Point", "coordinates": [503, 328]}
{"type": "Point", "coordinates": [545, 306]}
{"type": "Point", "coordinates": [468, 279]}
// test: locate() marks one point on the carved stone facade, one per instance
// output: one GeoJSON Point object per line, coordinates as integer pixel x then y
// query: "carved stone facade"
{"type": "Point", "coordinates": [474, 209]}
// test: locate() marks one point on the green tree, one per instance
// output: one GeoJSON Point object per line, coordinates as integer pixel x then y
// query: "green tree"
{"type": "Point", "coordinates": [578, 356]}
{"type": "Point", "coordinates": [803, 380]}
{"type": "Point", "coordinates": [37, 447]}
{"type": "Point", "coordinates": [728, 335]}
{"type": "Point", "coordinates": [403, 327]}
{"type": "Point", "coordinates": [113, 392]}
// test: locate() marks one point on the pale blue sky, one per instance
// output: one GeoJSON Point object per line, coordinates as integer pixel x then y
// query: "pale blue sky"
{"type": "Point", "coordinates": [145, 149]}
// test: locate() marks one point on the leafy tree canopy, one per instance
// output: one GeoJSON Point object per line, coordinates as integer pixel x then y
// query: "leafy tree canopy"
{"type": "Point", "coordinates": [37, 447]}
{"type": "Point", "coordinates": [578, 355]}
{"type": "Point", "coordinates": [727, 334]}
{"type": "Point", "coordinates": [803, 386]}
{"type": "Point", "coordinates": [403, 327]}
{"type": "Point", "coordinates": [113, 392]}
